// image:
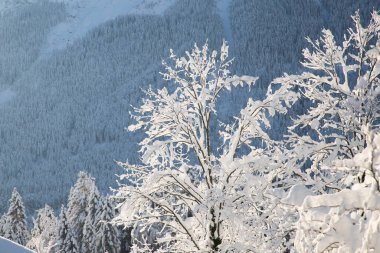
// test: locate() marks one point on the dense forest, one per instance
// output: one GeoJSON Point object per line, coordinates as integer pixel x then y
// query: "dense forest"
{"type": "Point", "coordinates": [69, 110]}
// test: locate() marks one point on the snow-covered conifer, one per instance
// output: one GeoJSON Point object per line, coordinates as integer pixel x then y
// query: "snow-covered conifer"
{"type": "Point", "coordinates": [107, 234]}
{"type": "Point", "coordinates": [14, 224]}
{"type": "Point", "coordinates": [43, 234]}
{"type": "Point", "coordinates": [79, 200]}
{"type": "Point", "coordinates": [66, 240]}
{"type": "Point", "coordinates": [89, 227]}
{"type": "Point", "coordinates": [2, 221]}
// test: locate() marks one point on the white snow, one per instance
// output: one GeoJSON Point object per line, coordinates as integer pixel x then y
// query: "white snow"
{"type": "Point", "coordinates": [85, 15]}
{"type": "Point", "coordinates": [223, 8]}
{"type": "Point", "coordinates": [347, 221]}
{"type": "Point", "coordinates": [7, 246]}
{"type": "Point", "coordinates": [297, 194]}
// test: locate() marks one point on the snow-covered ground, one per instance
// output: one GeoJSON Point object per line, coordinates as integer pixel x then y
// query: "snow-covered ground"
{"type": "Point", "coordinates": [7, 246]}
{"type": "Point", "coordinates": [85, 15]}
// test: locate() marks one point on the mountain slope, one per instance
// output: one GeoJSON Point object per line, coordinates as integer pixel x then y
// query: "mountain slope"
{"type": "Point", "coordinates": [85, 15]}
{"type": "Point", "coordinates": [66, 111]}
{"type": "Point", "coordinates": [70, 109]}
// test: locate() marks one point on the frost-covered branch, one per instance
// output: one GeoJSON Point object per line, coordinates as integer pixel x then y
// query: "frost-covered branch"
{"type": "Point", "coordinates": [342, 91]}
{"type": "Point", "coordinates": [200, 198]}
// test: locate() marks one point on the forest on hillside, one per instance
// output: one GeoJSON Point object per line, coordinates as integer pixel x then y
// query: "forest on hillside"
{"type": "Point", "coordinates": [67, 112]}
{"type": "Point", "coordinates": [209, 178]}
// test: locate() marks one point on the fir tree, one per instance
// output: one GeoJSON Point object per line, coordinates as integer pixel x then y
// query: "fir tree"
{"type": "Point", "coordinates": [107, 235]}
{"type": "Point", "coordinates": [66, 240]}
{"type": "Point", "coordinates": [43, 234]}
{"type": "Point", "coordinates": [90, 222]}
{"type": "Point", "coordinates": [2, 222]}
{"type": "Point", "coordinates": [14, 227]}
{"type": "Point", "coordinates": [79, 200]}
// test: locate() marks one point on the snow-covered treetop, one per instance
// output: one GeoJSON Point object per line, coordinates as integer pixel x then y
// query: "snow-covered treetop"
{"type": "Point", "coordinates": [342, 88]}
{"type": "Point", "coordinates": [43, 233]}
{"type": "Point", "coordinates": [14, 224]}
{"type": "Point", "coordinates": [183, 116]}
{"type": "Point", "coordinates": [187, 185]}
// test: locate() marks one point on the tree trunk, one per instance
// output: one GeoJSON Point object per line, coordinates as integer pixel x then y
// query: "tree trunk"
{"type": "Point", "coordinates": [214, 232]}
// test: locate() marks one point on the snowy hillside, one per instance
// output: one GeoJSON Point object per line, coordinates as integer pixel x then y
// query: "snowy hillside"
{"type": "Point", "coordinates": [7, 246]}
{"type": "Point", "coordinates": [71, 108]}
{"type": "Point", "coordinates": [67, 111]}
{"type": "Point", "coordinates": [85, 15]}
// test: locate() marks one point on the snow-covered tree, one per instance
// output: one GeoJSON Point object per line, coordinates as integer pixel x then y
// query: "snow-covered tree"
{"type": "Point", "coordinates": [81, 194]}
{"type": "Point", "coordinates": [43, 235]}
{"type": "Point", "coordinates": [66, 240]}
{"type": "Point", "coordinates": [2, 222]}
{"type": "Point", "coordinates": [14, 221]}
{"type": "Point", "coordinates": [346, 221]}
{"type": "Point", "coordinates": [107, 234]}
{"type": "Point", "coordinates": [343, 90]}
{"type": "Point", "coordinates": [202, 183]}
{"type": "Point", "coordinates": [89, 228]}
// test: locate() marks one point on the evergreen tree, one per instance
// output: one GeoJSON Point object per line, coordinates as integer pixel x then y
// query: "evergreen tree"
{"type": "Point", "coordinates": [2, 222]}
{"type": "Point", "coordinates": [79, 200]}
{"type": "Point", "coordinates": [14, 227]}
{"type": "Point", "coordinates": [43, 234]}
{"type": "Point", "coordinates": [107, 235]}
{"type": "Point", "coordinates": [88, 242]}
{"type": "Point", "coordinates": [66, 240]}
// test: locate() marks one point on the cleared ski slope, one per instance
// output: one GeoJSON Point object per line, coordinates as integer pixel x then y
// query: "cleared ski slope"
{"type": "Point", "coordinates": [223, 8]}
{"type": "Point", "coordinates": [85, 15]}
